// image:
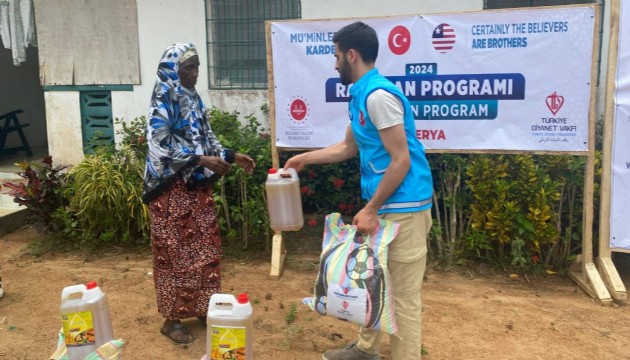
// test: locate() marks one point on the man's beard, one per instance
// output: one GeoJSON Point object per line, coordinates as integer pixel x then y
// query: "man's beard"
{"type": "Point", "coordinates": [345, 73]}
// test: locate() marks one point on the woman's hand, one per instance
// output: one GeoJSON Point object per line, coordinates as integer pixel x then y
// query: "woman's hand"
{"type": "Point", "coordinates": [215, 164]}
{"type": "Point", "coordinates": [245, 162]}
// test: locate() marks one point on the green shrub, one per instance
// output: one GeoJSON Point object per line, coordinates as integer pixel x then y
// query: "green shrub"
{"type": "Point", "coordinates": [104, 192]}
{"type": "Point", "coordinates": [513, 202]}
{"type": "Point", "coordinates": [240, 198]}
{"type": "Point", "coordinates": [331, 187]}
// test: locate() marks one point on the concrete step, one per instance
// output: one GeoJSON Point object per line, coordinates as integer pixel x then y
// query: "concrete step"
{"type": "Point", "coordinates": [7, 205]}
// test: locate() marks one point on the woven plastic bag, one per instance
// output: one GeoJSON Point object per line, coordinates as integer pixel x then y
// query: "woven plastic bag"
{"type": "Point", "coordinates": [353, 282]}
{"type": "Point", "coordinates": [111, 350]}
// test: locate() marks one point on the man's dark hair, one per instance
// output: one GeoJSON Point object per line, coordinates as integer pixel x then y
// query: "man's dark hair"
{"type": "Point", "coordinates": [360, 37]}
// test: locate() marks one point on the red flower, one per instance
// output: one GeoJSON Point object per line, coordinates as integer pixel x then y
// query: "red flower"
{"type": "Point", "coordinates": [342, 206]}
{"type": "Point", "coordinates": [306, 190]}
{"type": "Point", "coordinates": [312, 222]}
{"type": "Point", "coordinates": [338, 183]}
{"type": "Point", "coordinates": [535, 259]}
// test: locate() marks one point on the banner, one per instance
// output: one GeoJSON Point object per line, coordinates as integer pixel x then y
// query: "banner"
{"type": "Point", "coordinates": [492, 80]}
{"type": "Point", "coordinates": [620, 187]}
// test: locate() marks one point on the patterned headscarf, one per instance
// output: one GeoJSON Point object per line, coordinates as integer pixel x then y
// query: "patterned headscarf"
{"type": "Point", "coordinates": [177, 129]}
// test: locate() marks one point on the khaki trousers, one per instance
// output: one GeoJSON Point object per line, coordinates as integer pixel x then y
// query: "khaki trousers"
{"type": "Point", "coordinates": [406, 262]}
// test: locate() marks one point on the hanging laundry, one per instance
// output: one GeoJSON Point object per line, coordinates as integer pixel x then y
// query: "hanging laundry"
{"type": "Point", "coordinates": [17, 27]}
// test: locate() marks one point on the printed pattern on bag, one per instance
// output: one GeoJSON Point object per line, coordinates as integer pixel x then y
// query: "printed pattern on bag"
{"type": "Point", "coordinates": [353, 279]}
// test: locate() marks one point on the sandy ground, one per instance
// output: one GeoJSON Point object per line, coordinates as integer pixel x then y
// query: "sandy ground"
{"type": "Point", "coordinates": [475, 314]}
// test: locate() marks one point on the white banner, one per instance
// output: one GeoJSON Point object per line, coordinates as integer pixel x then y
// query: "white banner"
{"type": "Point", "coordinates": [492, 80]}
{"type": "Point", "coordinates": [620, 187]}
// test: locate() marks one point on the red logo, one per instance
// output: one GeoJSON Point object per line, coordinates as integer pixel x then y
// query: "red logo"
{"type": "Point", "coordinates": [361, 118]}
{"type": "Point", "coordinates": [344, 304]}
{"type": "Point", "coordinates": [399, 40]}
{"type": "Point", "coordinates": [298, 109]}
{"type": "Point", "coordinates": [554, 102]}
{"type": "Point", "coordinates": [345, 291]}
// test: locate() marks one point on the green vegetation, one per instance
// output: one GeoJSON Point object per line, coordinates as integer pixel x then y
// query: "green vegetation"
{"type": "Point", "coordinates": [520, 212]}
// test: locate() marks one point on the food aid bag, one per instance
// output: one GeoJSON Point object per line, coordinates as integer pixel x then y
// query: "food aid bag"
{"type": "Point", "coordinates": [353, 283]}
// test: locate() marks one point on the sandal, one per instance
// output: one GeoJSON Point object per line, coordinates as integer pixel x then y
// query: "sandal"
{"type": "Point", "coordinates": [169, 330]}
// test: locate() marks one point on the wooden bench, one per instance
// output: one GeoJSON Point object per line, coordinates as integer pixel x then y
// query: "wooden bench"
{"type": "Point", "coordinates": [9, 123]}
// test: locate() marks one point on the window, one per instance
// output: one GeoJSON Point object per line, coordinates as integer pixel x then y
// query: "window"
{"type": "Point", "coordinates": [503, 4]}
{"type": "Point", "coordinates": [235, 30]}
{"type": "Point", "coordinates": [96, 119]}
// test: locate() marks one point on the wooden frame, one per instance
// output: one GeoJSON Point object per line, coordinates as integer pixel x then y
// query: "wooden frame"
{"type": "Point", "coordinates": [584, 272]}
{"type": "Point", "coordinates": [604, 261]}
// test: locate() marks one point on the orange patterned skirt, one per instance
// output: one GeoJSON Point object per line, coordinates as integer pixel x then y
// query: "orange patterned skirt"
{"type": "Point", "coordinates": [186, 247]}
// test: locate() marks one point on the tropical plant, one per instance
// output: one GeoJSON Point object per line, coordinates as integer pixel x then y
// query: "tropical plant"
{"type": "Point", "coordinates": [41, 193]}
{"type": "Point", "coordinates": [513, 202]}
{"type": "Point", "coordinates": [104, 192]}
{"type": "Point", "coordinates": [240, 198]}
{"type": "Point", "coordinates": [451, 199]}
{"type": "Point", "coordinates": [132, 134]}
{"type": "Point", "coordinates": [331, 188]}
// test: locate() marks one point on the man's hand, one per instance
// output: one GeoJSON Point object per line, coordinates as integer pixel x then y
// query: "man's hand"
{"type": "Point", "coordinates": [245, 162]}
{"type": "Point", "coordinates": [366, 221]}
{"type": "Point", "coordinates": [297, 162]}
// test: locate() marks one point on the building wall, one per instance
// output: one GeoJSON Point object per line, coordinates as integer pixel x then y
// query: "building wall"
{"type": "Point", "coordinates": [160, 24]}
{"type": "Point", "coordinates": [328, 9]}
{"type": "Point", "coordinates": [63, 119]}
{"type": "Point", "coordinates": [156, 31]}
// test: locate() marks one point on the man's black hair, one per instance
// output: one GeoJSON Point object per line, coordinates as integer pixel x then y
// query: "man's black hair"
{"type": "Point", "coordinates": [360, 37]}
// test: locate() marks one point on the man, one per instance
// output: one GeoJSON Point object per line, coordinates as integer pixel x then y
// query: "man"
{"type": "Point", "coordinates": [395, 179]}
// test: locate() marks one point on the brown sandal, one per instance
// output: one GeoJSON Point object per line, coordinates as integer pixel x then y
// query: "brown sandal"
{"type": "Point", "coordinates": [169, 330]}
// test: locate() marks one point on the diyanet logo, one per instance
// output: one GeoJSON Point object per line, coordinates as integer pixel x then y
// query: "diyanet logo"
{"type": "Point", "coordinates": [554, 102]}
{"type": "Point", "coordinates": [298, 110]}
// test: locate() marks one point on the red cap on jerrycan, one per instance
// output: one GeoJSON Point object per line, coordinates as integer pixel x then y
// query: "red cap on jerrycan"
{"type": "Point", "coordinates": [242, 298]}
{"type": "Point", "coordinates": [91, 285]}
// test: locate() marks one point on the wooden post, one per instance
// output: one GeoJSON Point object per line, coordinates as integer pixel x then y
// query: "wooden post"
{"type": "Point", "coordinates": [278, 252]}
{"type": "Point", "coordinates": [604, 261]}
{"type": "Point", "coordinates": [588, 278]}
{"type": "Point", "coordinates": [277, 256]}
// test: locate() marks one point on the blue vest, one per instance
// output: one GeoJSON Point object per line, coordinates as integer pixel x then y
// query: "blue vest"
{"type": "Point", "coordinates": [416, 191]}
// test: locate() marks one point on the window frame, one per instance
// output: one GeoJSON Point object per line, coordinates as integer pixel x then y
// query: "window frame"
{"type": "Point", "coordinates": [236, 43]}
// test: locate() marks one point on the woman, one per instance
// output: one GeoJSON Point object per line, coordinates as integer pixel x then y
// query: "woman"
{"type": "Point", "coordinates": [183, 161]}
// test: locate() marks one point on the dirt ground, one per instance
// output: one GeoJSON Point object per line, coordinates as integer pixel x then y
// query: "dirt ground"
{"type": "Point", "coordinates": [468, 314]}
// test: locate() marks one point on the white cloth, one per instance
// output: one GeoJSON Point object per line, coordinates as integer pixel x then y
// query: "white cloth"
{"type": "Point", "coordinates": [385, 109]}
{"type": "Point", "coordinates": [17, 27]}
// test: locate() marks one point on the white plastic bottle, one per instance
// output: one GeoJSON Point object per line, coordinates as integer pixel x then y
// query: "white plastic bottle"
{"type": "Point", "coordinates": [284, 200]}
{"type": "Point", "coordinates": [86, 319]}
{"type": "Point", "coordinates": [230, 325]}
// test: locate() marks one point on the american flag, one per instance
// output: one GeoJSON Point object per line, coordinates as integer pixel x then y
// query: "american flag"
{"type": "Point", "coordinates": [443, 38]}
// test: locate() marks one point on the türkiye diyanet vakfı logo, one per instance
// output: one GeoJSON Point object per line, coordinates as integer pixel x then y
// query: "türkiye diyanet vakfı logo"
{"type": "Point", "coordinates": [298, 111]}
{"type": "Point", "coordinates": [555, 128]}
